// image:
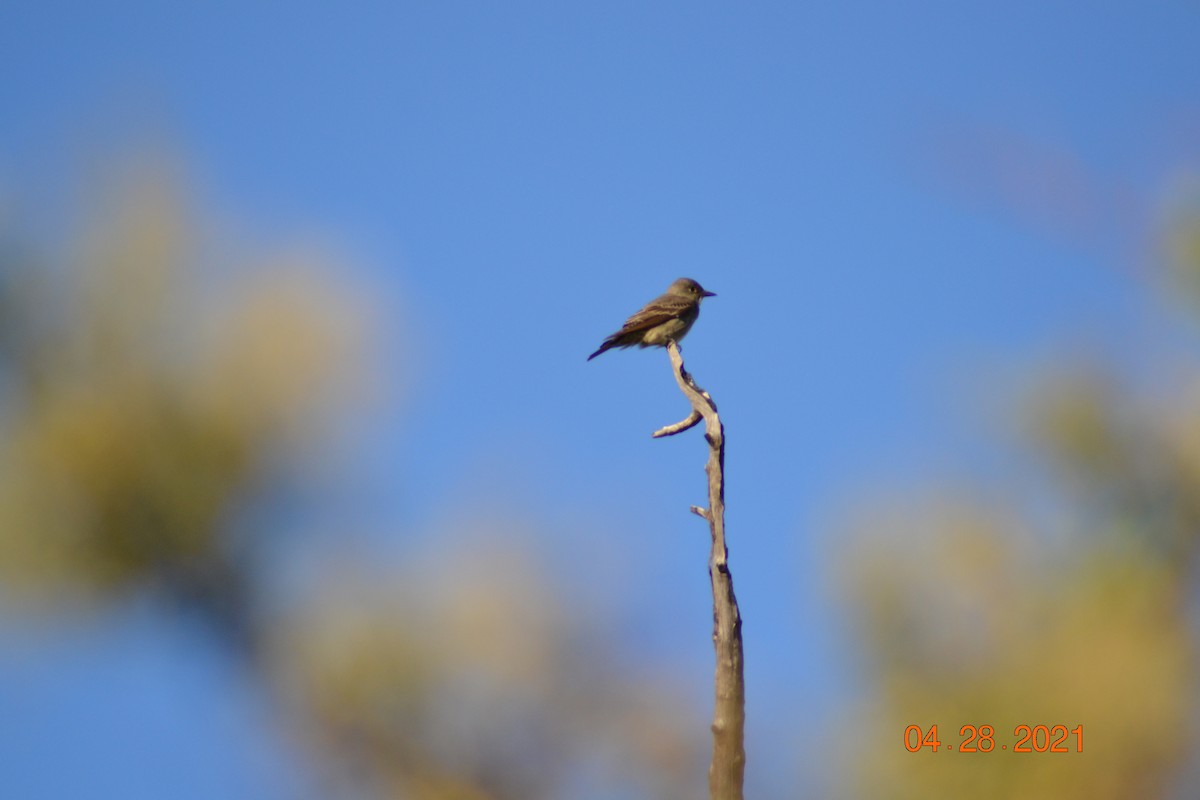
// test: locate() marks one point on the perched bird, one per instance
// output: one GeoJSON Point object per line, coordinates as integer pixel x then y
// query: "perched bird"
{"type": "Point", "coordinates": [664, 319]}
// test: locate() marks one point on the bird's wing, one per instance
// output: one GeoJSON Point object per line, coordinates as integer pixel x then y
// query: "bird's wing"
{"type": "Point", "coordinates": [655, 313]}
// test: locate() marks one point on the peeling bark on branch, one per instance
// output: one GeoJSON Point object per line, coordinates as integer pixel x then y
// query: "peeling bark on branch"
{"type": "Point", "coordinates": [727, 770]}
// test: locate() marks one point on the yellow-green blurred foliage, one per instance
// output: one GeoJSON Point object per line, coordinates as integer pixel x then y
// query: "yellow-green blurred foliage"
{"type": "Point", "coordinates": [967, 623]}
{"type": "Point", "coordinates": [144, 393]}
{"type": "Point", "coordinates": [466, 677]}
{"type": "Point", "coordinates": [971, 613]}
{"type": "Point", "coordinates": [1183, 244]}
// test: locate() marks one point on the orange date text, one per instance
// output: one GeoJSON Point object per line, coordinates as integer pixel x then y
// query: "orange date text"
{"type": "Point", "coordinates": [982, 739]}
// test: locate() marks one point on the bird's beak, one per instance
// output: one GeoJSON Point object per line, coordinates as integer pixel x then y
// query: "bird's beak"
{"type": "Point", "coordinates": [709, 294]}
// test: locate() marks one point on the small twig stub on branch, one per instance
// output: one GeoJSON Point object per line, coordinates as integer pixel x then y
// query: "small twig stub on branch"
{"type": "Point", "coordinates": [679, 427]}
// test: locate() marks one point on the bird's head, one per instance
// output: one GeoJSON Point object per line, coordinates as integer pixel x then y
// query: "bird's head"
{"type": "Point", "coordinates": [686, 287]}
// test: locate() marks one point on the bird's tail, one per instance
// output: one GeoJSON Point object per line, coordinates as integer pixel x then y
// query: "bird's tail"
{"type": "Point", "coordinates": [606, 346]}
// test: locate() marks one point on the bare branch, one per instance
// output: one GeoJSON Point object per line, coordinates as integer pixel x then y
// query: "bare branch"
{"type": "Point", "coordinates": [727, 769]}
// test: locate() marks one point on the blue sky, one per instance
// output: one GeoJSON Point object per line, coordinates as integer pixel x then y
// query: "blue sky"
{"type": "Point", "coordinates": [512, 180]}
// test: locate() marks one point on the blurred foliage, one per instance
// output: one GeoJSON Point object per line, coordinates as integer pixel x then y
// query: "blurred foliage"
{"type": "Point", "coordinates": [470, 679]}
{"type": "Point", "coordinates": [150, 394]}
{"type": "Point", "coordinates": [1183, 245]}
{"type": "Point", "coordinates": [964, 625]}
{"type": "Point", "coordinates": [971, 615]}
{"type": "Point", "coordinates": [138, 413]}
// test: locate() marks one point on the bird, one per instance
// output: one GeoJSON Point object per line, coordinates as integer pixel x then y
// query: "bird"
{"type": "Point", "coordinates": [664, 319]}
